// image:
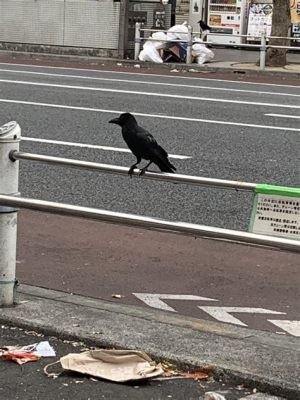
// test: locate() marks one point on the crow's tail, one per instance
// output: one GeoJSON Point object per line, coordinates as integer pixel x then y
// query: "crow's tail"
{"type": "Point", "coordinates": [162, 161]}
{"type": "Point", "coordinates": [164, 165]}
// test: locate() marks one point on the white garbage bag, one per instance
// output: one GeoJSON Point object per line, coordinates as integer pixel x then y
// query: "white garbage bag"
{"type": "Point", "coordinates": [150, 53]}
{"type": "Point", "coordinates": [178, 32]}
{"type": "Point", "coordinates": [160, 37]}
{"type": "Point", "coordinates": [151, 47]}
{"type": "Point", "coordinates": [201, 53]}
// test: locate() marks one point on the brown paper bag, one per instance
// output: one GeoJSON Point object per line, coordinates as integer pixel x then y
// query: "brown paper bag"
{"type": "Point", "coordinates": [114, 365]}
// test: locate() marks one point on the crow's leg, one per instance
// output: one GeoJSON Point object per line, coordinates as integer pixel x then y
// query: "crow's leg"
{"type": "Point", "coordinates": [144, 169]}
{"type": "Point", "coordinates": [138, 160]}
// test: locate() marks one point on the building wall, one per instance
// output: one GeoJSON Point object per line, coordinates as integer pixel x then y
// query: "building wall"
{"type": "Point", "coordinates": [79, 23]}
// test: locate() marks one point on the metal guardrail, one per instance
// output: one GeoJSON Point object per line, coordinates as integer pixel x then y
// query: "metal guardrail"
{"type": "Point", "coordinates": [115, 169]}
{"type": "Point", "coordinates": [152, 223]}
{"type": "Point", "coordinates": [263, 46]}
{"type": "Point", "coordinates": [220, 34]}
{"type": "Point", "coordinates": [10, 136]}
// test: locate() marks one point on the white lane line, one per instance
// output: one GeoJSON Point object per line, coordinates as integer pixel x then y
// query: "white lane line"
{"type": "Point", "coordinates": [283, 116]}
{"type": "Point", "coordinates": [176, 76]}
{"type": "Point", "coordinates": [136, 92]}
{"type": "Point", "coordinates": [92, 146]}
{"type": "Point", "coordinates": [208, 121]}
{"type": "Point", "coordinates": [149, 83]}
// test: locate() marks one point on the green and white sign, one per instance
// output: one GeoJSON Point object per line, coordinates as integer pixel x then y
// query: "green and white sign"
{"type": "Point", "coordinates": [276, 211]}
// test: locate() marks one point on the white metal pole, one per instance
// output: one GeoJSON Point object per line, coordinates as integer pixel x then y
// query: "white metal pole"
{"type": "Point", "coordinates": [137, 41]}
{"type": "Point", "coordinates": [189, 45]}
{"type": "Point", "coordinates": [10, 135]}
{"type": "Point", "coordinates": [152, 223]}
{"type": "Point", "coordinates": [263, 49]}
{"type": "Point", "coordinates": [118, 170]}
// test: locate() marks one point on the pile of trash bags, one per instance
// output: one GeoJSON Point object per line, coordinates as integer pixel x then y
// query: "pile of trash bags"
{"type": "Point", "coordinates": [152, 48]}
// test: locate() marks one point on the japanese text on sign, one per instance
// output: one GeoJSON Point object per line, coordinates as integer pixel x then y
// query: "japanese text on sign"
{"type": "Point", "coordinates": [277, 216]}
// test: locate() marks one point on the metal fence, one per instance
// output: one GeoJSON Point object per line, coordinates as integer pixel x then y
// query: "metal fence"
{"type": "Point", "coordinates": [10, 136]}
{"type": "Point", "coordinates": [263, 46]}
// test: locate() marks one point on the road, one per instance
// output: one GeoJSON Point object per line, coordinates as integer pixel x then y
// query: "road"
{"type": "Point", "coordinates": [29, 382]}
{"type": "Point", "coordinates": [213, 127]}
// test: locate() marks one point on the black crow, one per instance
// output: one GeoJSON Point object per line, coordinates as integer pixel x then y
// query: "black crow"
{"type": "Point", "coordinates": [142, 144]}
{"type": "Point", "coordinates": [204, 26]}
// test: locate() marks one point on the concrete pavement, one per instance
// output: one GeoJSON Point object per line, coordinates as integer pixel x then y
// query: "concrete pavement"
{"type": "Point", "coordinates": [95, 259]}
{"type": "Point", "coordinates": [257, 359]}
{"type": "Point", "coordinates": [30, 383]}
{"type": "Point", "coordinates": [231, 61]}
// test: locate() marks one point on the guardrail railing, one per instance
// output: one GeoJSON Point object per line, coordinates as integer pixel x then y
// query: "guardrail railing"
{"type": "Point", "coordinates": [10, 136]}
{"type": "Point", "coordinates": [115, 169]}
{"type": "Point", "coordinates": [263, 46]}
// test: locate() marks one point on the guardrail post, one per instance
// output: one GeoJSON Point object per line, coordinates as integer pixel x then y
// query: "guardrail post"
{"type": "Point", "coordinates": [189, 45]}
{"type": "Point", "coordinates": [137, 40]}
{"type": "Point", "coordinates": [263, 50]}
{"type": "Point", "coordinates": [10, 136]}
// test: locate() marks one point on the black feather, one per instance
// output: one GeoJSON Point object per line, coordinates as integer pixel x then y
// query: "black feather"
{"type": "Point", "coordinates": [142, 144]}
{"type": "Point", "coordinates": [204, 26]}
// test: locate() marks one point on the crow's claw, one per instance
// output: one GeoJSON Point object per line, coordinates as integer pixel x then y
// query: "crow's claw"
{"type": "Point", "coordinates": [130, 172]}
{"type": "Point", "coordinates": [142, 171]}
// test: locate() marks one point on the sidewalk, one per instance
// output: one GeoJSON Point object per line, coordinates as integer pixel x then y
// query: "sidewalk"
{"type": "Point", "coordinates": [232, 61]}
{"type": "Point", "coordinates": [29, 382]}
{"type": "Point", "coordinates": [261, 360]}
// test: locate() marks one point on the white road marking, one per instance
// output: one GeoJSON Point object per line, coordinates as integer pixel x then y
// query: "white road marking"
{"type": "Point", "coordinates": [291, 327]}
{"type": "Point", "coordinates": [140, 93]}
{"type": "Point", "coordinates": [150, 83]}
{"type": "Point", "coordinates": [208, 121]}
{"type": "Point", "coordinates": [154, 300]}
{"type": "Point", "coordinates": [154, 75]}
{"type": "Point", "coordinates": [222, 313]}
{"type": "Point", "coordinates": [283, 116]}
{"type": "Point", "coordinates": [91, 146]}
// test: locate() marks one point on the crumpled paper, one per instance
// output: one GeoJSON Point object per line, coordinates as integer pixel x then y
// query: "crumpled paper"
{"type": "Point", "coordinates": [114, 365]}
{"type": "Point", "coordinates": [31, 352]}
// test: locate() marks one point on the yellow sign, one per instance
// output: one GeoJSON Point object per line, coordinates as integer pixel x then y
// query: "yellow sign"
{"type": "Point", "coordinates": [295, 11]}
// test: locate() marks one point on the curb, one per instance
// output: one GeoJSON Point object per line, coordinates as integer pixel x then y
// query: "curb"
{"type": "Point", "coordinates": [260, 360]}
{"type": "Point", "coordinates": [227, 67]}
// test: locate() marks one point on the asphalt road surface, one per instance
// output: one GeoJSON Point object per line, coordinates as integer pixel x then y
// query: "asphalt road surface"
{"type": "Point", "coordinates": [218, 128]}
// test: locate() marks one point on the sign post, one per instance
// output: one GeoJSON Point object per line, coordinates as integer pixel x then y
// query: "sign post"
{"type": "Point", "coordinates": [276, 211]}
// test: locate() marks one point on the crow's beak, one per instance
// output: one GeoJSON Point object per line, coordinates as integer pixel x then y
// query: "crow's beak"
{"type": "Point", "coordinates": [114, 121]}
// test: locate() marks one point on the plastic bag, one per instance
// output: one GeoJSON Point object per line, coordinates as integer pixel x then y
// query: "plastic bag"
{"type": "Point", "coordinates": [201, 53]}
{"type": "Point", "coordinates": [150, 53]}
{"type": "Point", "coordinates": [178, 32]}
{"type": "Point", "coordinates": [159, 36]}
{"type": "Point", "coordinates": [31, 352]}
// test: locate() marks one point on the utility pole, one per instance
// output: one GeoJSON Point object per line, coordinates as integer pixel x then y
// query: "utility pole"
{"type": "Point", "coordinates": [123, 28]}
{"type": "Point", "coordinates": [173, 12]}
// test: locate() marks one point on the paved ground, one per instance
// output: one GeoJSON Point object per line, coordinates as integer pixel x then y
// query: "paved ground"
{"type": "Point", "coordinates": [227, 128]}
{"type": "Point", "coordinates": [237, 129]}
{"type": "Point", "coordinates": [28, 382]}
{"type": "Point", "coordinates": [227, 54]}
{"type": "Point", "coordinates": [100, 260]}
{"type": "Point", "coordinates": [254, 359]}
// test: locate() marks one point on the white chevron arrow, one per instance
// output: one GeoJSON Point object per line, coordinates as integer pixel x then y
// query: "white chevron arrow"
{"type": "Point", "coordinates": [222, 313]}
{"type": "Point", "coordinates": [154, 299]}
{"type": "Point", "coordinates": [291, 327]}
